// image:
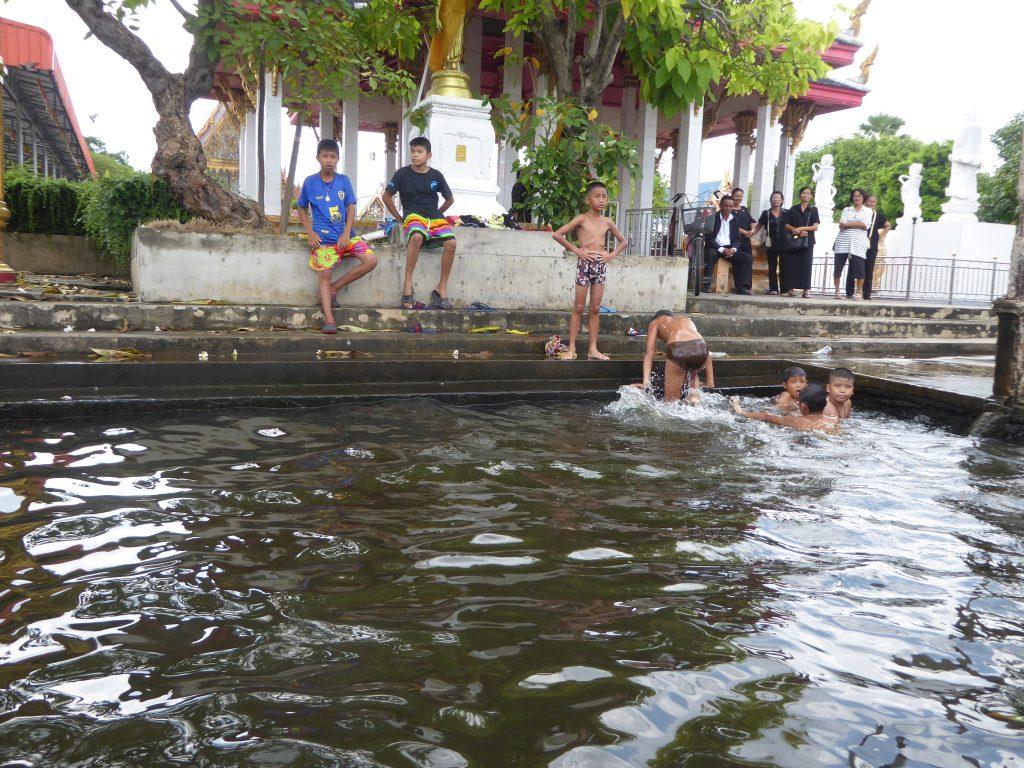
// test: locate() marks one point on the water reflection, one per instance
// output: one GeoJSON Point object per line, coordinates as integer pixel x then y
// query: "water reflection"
{"type": "Point", "coordinates": [564, 584]}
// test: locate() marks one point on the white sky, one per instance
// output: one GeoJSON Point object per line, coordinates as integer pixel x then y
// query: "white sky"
{"type": "Point", "coordinates": [938, 60]}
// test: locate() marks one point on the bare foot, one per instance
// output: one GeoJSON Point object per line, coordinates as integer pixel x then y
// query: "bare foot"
{"type": "Point", "coordinates": [567, 354]}
{"type": "Point", "coordinates": [597, 355]}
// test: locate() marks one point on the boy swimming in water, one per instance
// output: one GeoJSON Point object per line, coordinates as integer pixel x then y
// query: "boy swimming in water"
{"type": "Point", "coordinates": [686, 354]}
{"type": "Point", "coordinates": [591, 229]}
{"type": "Point", "coordinates": [811, 402]}
{"type": "Point", "coordinates": [793, 381]}
{"type": "Point", "coordinates": [840, 393]}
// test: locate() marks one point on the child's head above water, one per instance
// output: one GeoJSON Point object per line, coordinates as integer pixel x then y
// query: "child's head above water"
{"type": "Point", "coordinates": [812, 399]}
{"type": "Point", "coordinates": [596, 196]}
{"type": "Point", "coordinates": [663, 313]}
{"type": "Point", "coordinates": [794, 380]}
{"type": "Point", "coordinates": [840, 385]}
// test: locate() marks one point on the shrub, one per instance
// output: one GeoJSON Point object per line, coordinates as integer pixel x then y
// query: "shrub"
{"type": "Point", "coordinates": [114, 206]}
{"type": "Point", "coordinates": [42, 206]}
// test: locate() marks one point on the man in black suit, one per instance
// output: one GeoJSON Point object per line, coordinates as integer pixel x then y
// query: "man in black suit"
{"type": "Point", "coordinates": [726, 242]}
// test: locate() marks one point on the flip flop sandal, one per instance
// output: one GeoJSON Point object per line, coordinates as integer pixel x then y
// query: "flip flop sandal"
{"type": "Point", "coordinates": [329, 328]}
{"type": "Point", "coordinates": [408, 299]}
{"type": "Point", "coordinates": [436, 302]}
{"type": "Point", "coordinates": [481, 307]}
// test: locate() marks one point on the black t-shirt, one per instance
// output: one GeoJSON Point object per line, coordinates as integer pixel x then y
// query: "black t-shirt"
{"type": "Point", "coordinates": [880, 222]}
{"type": "Point", "coordinates": [419, 191]}
{"type": "Point", "coordinates": [746, 221]}
{"type": "Point", "coordinates": [798, 217]}
{"type": "Point", "coordinates": [775, 226]}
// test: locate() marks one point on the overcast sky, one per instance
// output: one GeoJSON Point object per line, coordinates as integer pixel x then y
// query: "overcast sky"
{"type": "Point", "coordinates": [938, 59]}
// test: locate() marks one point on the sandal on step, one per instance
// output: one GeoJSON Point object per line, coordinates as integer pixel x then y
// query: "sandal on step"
{"type": "Point", "coordinates": [408, 301]}
{"type": "Point", "coordinates": [330, 328]}
{"type": "Point", "coordinates": [436, 302]}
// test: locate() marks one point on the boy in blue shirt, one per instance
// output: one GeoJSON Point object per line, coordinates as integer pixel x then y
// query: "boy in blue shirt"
{"type": "Point", "coordinates": [333, 203]}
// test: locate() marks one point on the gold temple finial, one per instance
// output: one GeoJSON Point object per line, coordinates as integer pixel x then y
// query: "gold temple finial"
{"type": "Point", "coordinates": [865, 66]}
{"type": "Point", "coordinates": [855, 17]}
{"type": "Point", "coordinates": [446, 50]}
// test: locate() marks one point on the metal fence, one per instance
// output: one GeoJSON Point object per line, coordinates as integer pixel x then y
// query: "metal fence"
{"type": "Point", "coordinates": [659, 231]}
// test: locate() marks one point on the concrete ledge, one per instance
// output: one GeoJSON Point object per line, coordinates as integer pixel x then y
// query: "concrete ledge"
{"type": "Point", "coordinates": [510, 270]}
{"type": "Point", "coordinates": [56, 255]}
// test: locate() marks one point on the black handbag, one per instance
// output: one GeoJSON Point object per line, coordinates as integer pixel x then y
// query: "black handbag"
{"type": "Point", "coordinates": [794, 243]}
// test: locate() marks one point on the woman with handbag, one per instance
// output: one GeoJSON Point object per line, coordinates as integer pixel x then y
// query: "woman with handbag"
{"type": "Point", "coordinates": [769, 232]}
{"type": "Point", "coordinates": [801, 222]}
{"type": "Point", "coordinates": [853, 242]}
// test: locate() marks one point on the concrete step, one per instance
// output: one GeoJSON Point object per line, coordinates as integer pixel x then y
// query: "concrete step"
{"type": "Point", "coordinates": [131, 317]}
{"type": "Point", "coordinates": [186, 345]}
{"type": "Point", "coordinates": [726, 304]}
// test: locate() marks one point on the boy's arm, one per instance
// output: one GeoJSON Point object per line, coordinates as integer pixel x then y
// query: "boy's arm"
{"type": "Point", "coordinates": [313, 237]}
{"type": "Point", "coordinates": [389, 202]}
{"type": "Point", "coordinates": [771, 418]}
{"type": "Point", "coordinates": [559, 237]}
{"type": "Point", "coordinates": [622, 242]}
{"type": "Point", "coordinates": [709, 373]}
{"type": "Point", "coordinates": [446, 204]}
{"type": "Point", "coordinates": [350, 221]}
{"type": "Point", "coordinates": [652, 344]}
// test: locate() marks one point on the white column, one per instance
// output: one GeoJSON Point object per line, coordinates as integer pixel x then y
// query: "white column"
{"type": "Point", "coordinates": [391, 137]}
{"type": "Point", "coordinates": [783, 182]}
{"type": "Point", "coordinates": [741, 166]}
{"type": "Point", "coordinates": [247, 161]}
{"type": "Point", "coordinates": [688, 151]}
{"type": "Point", "coordinates": [35, 152]}
{"type": "Point", "coordinates": [350, 139]}
{"type": "Point", "coordinates": [764, 159]}
{"type": "Point", "coordinates": [627, 114]}
{"type": "Point", "coordinates": [20, 136]}
{"type": "Point", "coordinates": [272, 106]}
{"type": "Point", "coordinates": [472, 51]}
{"type": "Point", "coordinates": [326, 122]}
{"type": "Point", "coordinates": [648, 130]}
{"type": "Point", "coordinates": [405, 136]}
{"type": "Point", "coordinates": [511, 87]}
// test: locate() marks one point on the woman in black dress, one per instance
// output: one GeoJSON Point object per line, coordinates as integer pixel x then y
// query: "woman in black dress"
{"type": "Point", "coordinates": [773, 219]}
{"type": "Point", "coordinates": [801, 220]}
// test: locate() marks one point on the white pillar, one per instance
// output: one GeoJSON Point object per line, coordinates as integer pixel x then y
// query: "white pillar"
{"type": "Point", "coordinates": [688, 151]}
{"type": "Point", "coordinates": [350, 139]}
{"type": "Point", "coordinates": [20, 136]}
{"type": "Point", "coordinates": [627, 114]}
{"type": "Point", "coordinates": [511, 87]}
{"type": "Point", "coordinates": [472, 51]}
{"type": "Point", "coordinates": [272, 106]}
{"type": "Point", "coordinates": [405, 136]}
{"type": "Point", "coordinates": [648, 130]}
{"type": "Point", "coordinates": [247, 161]}
{"type": "Point", "coordinates": [741, 166]}
{"type": "Point", "coordinates": [764, 159]}
{"type": "Point", "coordinates": [783, 182]}
{"type": "Point", "coordinates": [326, 122]}
{"type": "Point", "coordinates": [391, 137]}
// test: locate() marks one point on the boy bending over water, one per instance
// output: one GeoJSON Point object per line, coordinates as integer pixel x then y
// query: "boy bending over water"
{"type": "Point", "coordinates": [840, 393]}
{"type": "Point", "coordinates": [793, 381]}
{"type": "Point", "coordinates": [686, 354]}
{"type": "Point", "coordinates": [591, 230]}
{"type": "Point", "coordinates": [811, 401]}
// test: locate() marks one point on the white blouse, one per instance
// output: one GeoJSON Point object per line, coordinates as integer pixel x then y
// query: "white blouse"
{"type": "Point", "coordinates": [854, 241]}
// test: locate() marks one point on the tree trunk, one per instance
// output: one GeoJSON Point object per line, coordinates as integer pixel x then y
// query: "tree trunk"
{"type": "Point", "coordinates": [179, 158]}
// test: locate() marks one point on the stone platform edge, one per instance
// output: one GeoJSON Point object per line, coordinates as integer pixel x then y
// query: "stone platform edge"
{"type": "Point", "coordinates": [502, 268]}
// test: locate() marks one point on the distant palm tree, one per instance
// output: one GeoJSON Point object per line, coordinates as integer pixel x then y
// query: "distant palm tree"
{"type": "Point", "coordinates": [881, 125]}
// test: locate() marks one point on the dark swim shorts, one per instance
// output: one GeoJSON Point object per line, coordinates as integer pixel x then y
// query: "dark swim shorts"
{"type": "Point", "coordinates": [689, 355]}
{"type": "Point", "coordinates": [590, 272]}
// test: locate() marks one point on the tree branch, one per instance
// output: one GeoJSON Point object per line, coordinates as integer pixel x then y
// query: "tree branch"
{"type": "Point", "coordinates": [129, 46]}
{"type": "Point", "coordinates": [201, 64]}
{"type": "Point", "coordinates": [550, 33]}
{"type": "Point", "coordinates": [601, 75]}
{"type": "Point", "coordinates": [594, 41]}
{"type": "Point", "coordinates": [185, 14]}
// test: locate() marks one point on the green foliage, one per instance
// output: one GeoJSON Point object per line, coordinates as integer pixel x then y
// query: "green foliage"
{"type": "Point", "coordinates": [661, 190]}
{"type": "Point", "coordinates": [112, 207]}
{"type": "Point", "coordinates": [881, 125]}
{"type": "Point", "coordinates": [564, 149]}
{"type": "Point", "coordinates": [42, 206]}
{"type": "Point", "coordinates": [998, 190]}
{"type": "Point", "coordinates": [105, 162]}
{"type": "Point", "coordinates": [876, 163]}
{"type": "Point", "coordinates": [678, 49]}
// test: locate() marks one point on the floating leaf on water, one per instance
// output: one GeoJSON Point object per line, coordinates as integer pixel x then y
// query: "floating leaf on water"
{"type": "Point", "coordinates": [334, 354]}
{"type": "Point", "coordinates": [127, 353]}
{"type": "Point", "coordinates": [30, 353]}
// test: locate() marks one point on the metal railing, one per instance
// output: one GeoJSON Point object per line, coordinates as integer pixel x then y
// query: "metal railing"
{"type": "Point", "coordinates": [659, 231]}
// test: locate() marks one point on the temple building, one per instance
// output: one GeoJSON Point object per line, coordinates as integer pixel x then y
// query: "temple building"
{"type": "Point", "coordinates": [767, 137]}
{"type": "Point", "coordinates": [40, 130]}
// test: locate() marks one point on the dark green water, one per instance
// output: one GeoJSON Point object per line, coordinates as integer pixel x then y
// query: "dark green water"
{"type": "Point", "coordinates": [567, 584]}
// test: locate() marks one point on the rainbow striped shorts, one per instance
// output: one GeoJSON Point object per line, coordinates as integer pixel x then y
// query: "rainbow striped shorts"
{"type": "Point", "coordinates": [326, 256]}
{"type": "Point", "coordinates": [434, 231]}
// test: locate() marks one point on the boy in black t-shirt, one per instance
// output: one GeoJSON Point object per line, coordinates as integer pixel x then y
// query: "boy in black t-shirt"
{"type": "Point", "coordinates": [418, 186]}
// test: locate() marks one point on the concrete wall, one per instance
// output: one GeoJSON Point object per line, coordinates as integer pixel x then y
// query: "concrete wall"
{"type": "Point", "coordinates": [505, 269]}
{"type": "Point", "coordinates": [56, 255]}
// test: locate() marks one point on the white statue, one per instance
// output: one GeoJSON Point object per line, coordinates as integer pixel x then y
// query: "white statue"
{"type": "Point", "coordinates": [965, 162]}
{"type": "Point", "coordinates": [910, 192]}
{"type": "Point", "coordinates": [824, 192]}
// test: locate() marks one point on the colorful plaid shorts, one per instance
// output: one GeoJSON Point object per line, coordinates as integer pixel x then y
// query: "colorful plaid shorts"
{"type": "Point", "coordinates": [327, 256]}
{"type": "Point", "coordinates": [590, 272]}
{"type": "Point", "coordinates": [434, 231]}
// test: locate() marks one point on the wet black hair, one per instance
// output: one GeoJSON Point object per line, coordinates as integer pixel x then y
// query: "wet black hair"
{"type": "Point", "coordinates": [595, 185]}
{"type": "Point", "coordinates": [814, 397]}
{"type": "Point", "coordinates": [793, 372]}
{"type": "Point", "coordinates": [840, 374]}
{"type": "Point", "coordinates": [328, 145]}
{"type": "Point", "coordinates": [663, 313]}
{"type": "Point", "coordinates": [421, 141]}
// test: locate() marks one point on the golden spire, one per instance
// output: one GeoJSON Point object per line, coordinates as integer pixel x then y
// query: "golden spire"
{"type": "Point", "coordinates": [865, 66]}
{"type": "Point", "coordinates": [858, 12]}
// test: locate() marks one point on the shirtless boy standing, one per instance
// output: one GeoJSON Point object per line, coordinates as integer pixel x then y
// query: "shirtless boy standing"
{"type": "Point", "coordinates": [686, 354]}
{"type": "Point", "coordinates": [811, 402]}
{"type": "Point", "coordinates": [840, 393]}
{"type": "Point", "coordinates": [591, 229]}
